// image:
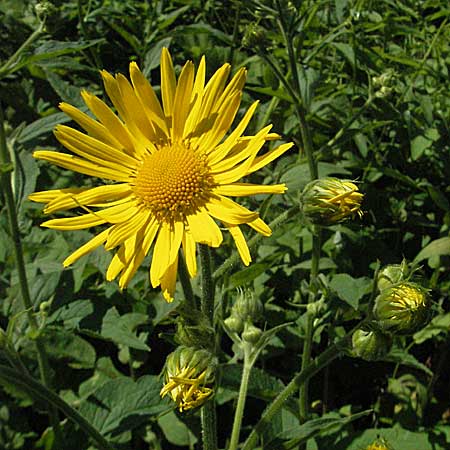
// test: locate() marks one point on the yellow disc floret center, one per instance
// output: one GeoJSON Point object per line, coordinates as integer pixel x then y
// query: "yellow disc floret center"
{"type": "Point", "coordinates": [173, 181]}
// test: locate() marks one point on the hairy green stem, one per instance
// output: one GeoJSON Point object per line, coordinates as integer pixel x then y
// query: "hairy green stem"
{"type": "Point", "coordinates": [309, 330]}
{"type": "Point", "coordinates": [239, 413]}
{"type": "Point", "coordinates": [323, 360]}
{"type": "Point", "coordinates": [6, 169]}
{"type": "Point", "coordinates": [208, 411]}
{"type": "Point", "coordinates": [39, 392]}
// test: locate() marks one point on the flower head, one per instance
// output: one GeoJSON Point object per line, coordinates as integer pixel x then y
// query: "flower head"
{"type": "Point", "coordinates": [188, 374]}
{"type": "Point", "coordinates": [327, 201]}
{"type": "Point", "coordinates": [169, 169]}
{"type": "Point", "coordinates": [403, 308]}
{"type": "Point", "coordinates": [370, 345]}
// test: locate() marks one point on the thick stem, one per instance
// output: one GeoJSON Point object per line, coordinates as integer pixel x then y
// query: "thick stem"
{"type": "Point", "coordinates": [239, 413]}
{"type": "Point", "coordinates": [6, 185]}
{"type": "Point", "coordinates": [39, 392]}
{"type": "Point", "coordinates": [208, 411]}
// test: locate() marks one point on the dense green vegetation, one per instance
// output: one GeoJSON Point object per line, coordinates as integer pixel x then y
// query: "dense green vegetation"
{"type": "Point", "coordinates": [362, 84]}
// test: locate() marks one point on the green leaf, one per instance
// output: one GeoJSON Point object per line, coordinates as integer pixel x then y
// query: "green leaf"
{"type": "Point", "coordinates": [66, 345]}
{"type": "Point", "coordinates": [400, 356]}
{"type": "Point", "coordinates": [349, 289]}
{"type": "Point", "coordinates": [292, 438]}
{"type": "Point", "coordinates": [248, 274]}
{"type": "Point", "coordinates": [123, 404]}
{"type": "Point", "coordinates": [66, 91]}
{"type": "Point", "coordinates": [121, 329]}
{"type": "Point", "coordinates": [418, 145]}
{"type": "Point", "coordinates": [175, 431]}
{"type": "Point", "coordinates": [439, 324]}
{"type": "Point", "coordinates": [72, 313]}
{"type": "Point", "coordinates": [437, 247]}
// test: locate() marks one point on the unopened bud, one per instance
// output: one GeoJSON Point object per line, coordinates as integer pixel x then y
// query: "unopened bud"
{"type": "Point", "coordinates": [327, 201]}
{"type": "Point", "coordinates": [251, 334]}
{"type": "Point", "coordinates": [370, 345]}
{"type": "Point", "coordinates": [189, 374]}
{"type": "Point", "coordinates": [234, 323]}
{"type": "Point", "coordinates": [404, 308]}
{"type": "Point", "coordinates": [247, 307]}
{"type": "Point", "coordinates": [392, 274]}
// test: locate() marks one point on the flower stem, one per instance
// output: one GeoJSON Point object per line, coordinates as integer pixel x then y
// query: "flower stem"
{"type": "Point", "coordinates": [309, 329]}
{"type": "Point", "coordinates": [6, 169]}
{"type": "Point", "coordinates": [239, 413]}
{"type": "Point", "coordinates": [39, 392]}
{"type": "Point", "coordinates": [323, 360]}
{"type": "Point", "coordinates": [208, 411]}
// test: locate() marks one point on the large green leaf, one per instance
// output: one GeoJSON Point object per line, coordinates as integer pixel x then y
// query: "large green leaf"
{"type": "Point", "coordinates": [123, 404]}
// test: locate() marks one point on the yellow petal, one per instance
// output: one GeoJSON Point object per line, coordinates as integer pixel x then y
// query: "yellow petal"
{"type": "Point", "coordinates": [226, 210]}
{"type": "Point", "coordinates": [168, 82]}
{"type": "Point", "coordinates": [82, 166]}
{"type": "Point", "coordinates": [88, 247]}
{"type": "Point", "coordinates": [92, 149]}
{"type": "Point", "coordinates": [240, 242]}
{"type": "Point", "coordinates": [189, 249]}
{"type": "Point", "coordinates": [204, 230]}
{"type": "Point", "coordinates": [123, 231]}
{"type": "Point", "coordinates": [90, 197]}
{"type": "Point", "coordinates": [245, 189]}
{"type": "Point", "coordinates": [260, 226]}
{"type": "Point", "coordinates": [168, 281]}
{"type": "Point", "coordinates": [74, 223]}
{"type": "Point", "coordinates": [94, 128]}
{"type": "Point", "coordinates": [263, 160]}
{"type": "Point", "coordinates": [149, 102]}
{"type": "Point", "coordinates": [161, 254]}
{"type": "Point", "coordinates": [182, 101]}
{"type": "Point", "coordinates": [48, 196]}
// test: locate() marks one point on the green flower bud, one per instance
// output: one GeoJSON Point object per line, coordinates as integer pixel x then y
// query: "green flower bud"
{"type": "Point", "coordinates": [370, 345]}
{"type": "Point", "coordinates": [189, 374]}
{"type": "Point", "coordinates": [404, 308]}
{"type": "Point", "coordinates": [392, 274]}
{"type": "Point", "coordinates": [234, 323]}
{"type": "Point", "coordinates": [251, 333]}
{"type": "Point", "coordinates": [329, 200]}
{"type": "Point", "coordinates": [247, 307]}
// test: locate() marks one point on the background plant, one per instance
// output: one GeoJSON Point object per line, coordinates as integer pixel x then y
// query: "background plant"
{"type": "Point", "coordinates": [374, 90]}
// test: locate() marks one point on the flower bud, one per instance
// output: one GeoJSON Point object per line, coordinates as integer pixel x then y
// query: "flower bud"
{"type": "Point", "coordinates": [188, 375]}
{"type": "Point", "coordinates": [370, 345]}
{"type": "Point", "coordinates": [247, 307]}
{"type": "Point", "coordinates": [404, 308]}
{"type": "Point", "coordinates": [234, 323]}
{"type": "Point", "coordinates": [392, 274]}
{"type": "Point", "coordinates": [254, 36]}
{"type": "Point", "coordinates": [327, 201]}
{"type": "Point", "coordinates": [251, 333]}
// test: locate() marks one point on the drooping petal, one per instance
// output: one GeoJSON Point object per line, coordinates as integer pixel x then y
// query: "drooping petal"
{"type": "Point", "coordinates": [189, 248]}
{"type": "Point", "coordinates": [161, 254]}
{"type": "Point", "coordinates": [226, 210]}
{"type": "Point", "coordinates": [240, 242]}
{"type": "Point", "coordinates": [204, 230]}
{"type": "Point", "coordinates": [86, 248]}
{"type": "Point", "coordinates": [168, 281]}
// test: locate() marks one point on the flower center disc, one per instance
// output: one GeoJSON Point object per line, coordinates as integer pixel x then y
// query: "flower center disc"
{"type": "Point", "coordinates": [173, 181]}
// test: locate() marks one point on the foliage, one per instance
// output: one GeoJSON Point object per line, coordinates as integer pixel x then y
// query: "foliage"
{"type": "Point", "coordinates": [373, 79]}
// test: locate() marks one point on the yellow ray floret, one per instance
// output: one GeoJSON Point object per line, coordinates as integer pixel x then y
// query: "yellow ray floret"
{"type": "Point", "coordinates": [170, 167]}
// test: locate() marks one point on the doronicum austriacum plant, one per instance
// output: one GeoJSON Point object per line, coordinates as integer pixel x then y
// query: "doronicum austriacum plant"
{"type": "Point", "coordinates": [256, 226]}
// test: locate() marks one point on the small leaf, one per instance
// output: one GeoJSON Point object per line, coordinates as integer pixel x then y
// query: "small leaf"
{"type": "Point", "coordinates": [437, 247]}
{"type": "Point", "coordinates": [418, 145]}
{"type": "Point", "coordinates": [349, 289]}
{"type": "Point", "coordinates": [175, 431]}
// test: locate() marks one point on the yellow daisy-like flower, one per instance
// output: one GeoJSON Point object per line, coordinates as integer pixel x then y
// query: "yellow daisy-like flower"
{"type": "Point", "coordinates": [172, 170]}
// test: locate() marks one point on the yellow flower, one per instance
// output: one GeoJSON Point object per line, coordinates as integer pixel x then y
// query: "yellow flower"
{"type": "Point", "coordinates": [378, 445]}
{"type": "Point", "coordinates": [188, 371]}
{"type": "Point", "coordinates": [169, 170]}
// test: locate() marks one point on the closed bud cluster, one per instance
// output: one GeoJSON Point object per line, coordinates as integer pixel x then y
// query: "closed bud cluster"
{"type": "Point", "coordinates": [251, 334]}
{"type": "Point", "coordinates": [247, 307]}
{"type": "Point", "coordinates": [403, 308]}
{"type": "Point", "coordinates": [370, 345]}
{"type": "Point", "coordinates": [327, 201]}
{"type": "Point", "coordinates": [189, 374]}
{"type": "Point", "coordinates": [254, 36]}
